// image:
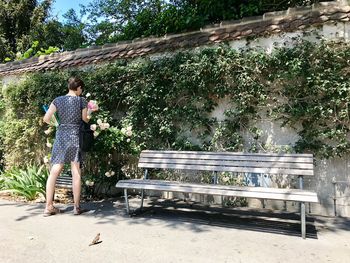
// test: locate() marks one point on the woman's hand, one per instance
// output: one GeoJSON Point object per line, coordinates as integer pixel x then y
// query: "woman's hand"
{"type": "Point", "coordinates": [48, 115]}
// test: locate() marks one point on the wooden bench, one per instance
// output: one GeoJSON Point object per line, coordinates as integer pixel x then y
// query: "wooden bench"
{"type": "Point", "coordinates": [64, 181]}
{"type": "Point", "coordinates": [256, 163]}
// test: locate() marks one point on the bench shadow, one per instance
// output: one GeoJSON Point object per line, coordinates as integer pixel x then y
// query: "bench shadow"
{"type": "Point", "coordinates": [283, 223]}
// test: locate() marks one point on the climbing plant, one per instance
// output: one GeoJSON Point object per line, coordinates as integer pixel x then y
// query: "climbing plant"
{"type": "Point", "coordinates": [168, 103]}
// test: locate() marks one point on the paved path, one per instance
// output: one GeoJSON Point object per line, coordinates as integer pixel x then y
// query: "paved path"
{"type": "Point", "coordinates": [26, 236]}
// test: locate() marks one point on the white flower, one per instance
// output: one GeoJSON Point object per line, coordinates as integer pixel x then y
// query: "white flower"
{"type": "Point", "coordinates": [93, 127]}
{"type": "Point", "coordinates": [96, 133]}
{"type": "Point", "coordinates": [129, 128]}
{"type": "Point", "coordinates": [127, 140]}
{"type": "Point", "coordinates": [104, 125]}
{"type": "Point", "coordinates": [89, 183]}
{"type": "Point", "coordinates": [46, 160]}
{"type": "Point", "coordinates": [109, 173]}
{"type": "Point", "coordinates": [129, 133]}
{"type": "Point", "coordinates": [87, 95]}
{"type": "Point", "coordinates": [48, 131]}
{"type": "Point", "coordinates": [99, 122]}
{"type": "Point", "coordinates": [225, 179]}
{"type": "Point", "coordinates": [48, 144]}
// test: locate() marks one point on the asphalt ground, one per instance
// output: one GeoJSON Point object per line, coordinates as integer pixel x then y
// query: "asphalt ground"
{"type": "Point", "coordinates": [167, 231]}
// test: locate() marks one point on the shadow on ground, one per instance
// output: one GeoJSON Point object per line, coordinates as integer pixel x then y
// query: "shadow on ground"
{"type": "Point", "coordinates": [180, 212]}
{"type": "Point", "coordinates": [195, 216]}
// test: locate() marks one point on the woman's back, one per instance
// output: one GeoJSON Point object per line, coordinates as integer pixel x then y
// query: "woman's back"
{"type": "Point", "coordinates": [69, 109]}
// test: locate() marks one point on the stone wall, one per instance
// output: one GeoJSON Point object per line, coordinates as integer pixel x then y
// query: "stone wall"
{"type": "Point", "coordinates": [332, 177]}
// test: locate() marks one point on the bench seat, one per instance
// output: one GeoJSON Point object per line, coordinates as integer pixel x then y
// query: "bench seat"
{"type": "Point", "coordinates": [297, 195]}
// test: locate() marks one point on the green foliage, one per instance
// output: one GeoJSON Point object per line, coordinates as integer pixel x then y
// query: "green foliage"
{"type": "Point", "coordinates": [226, 178]}
{"type": "Point", "coordinates": [73, 31]}
{"type": "Point", "coordinates": [20, 24]}
{"type": "Point", "coordinates": [27, 183]}
{"type": "Point", "coordinates": [125, 20]}
{"type": "Point", "coordinates": [104, 21]}
{"type": "Point", "coordinates": [317, 92]}
{"type": "Point", "coordinates": [34, 51]}
{"type": "Point", "coordinates": [27, 29]}
{"type": "Point", "coordinates": [168, 103]}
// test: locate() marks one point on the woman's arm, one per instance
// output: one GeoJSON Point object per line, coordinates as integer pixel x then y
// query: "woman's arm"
{"type": "Point", "coordinates": [50, 112]}
{"type": "Point", "coordinates": [84, 115]}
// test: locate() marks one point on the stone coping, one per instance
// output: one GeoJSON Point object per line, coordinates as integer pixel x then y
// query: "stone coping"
{"type": "Point", "coordinates": [270, 23]}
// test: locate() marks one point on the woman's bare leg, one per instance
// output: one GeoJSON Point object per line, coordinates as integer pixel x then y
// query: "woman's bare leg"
{"type": "Point", "coordinates": [76, 174]}
{"type": "Point", "coordinates": [55, 171]}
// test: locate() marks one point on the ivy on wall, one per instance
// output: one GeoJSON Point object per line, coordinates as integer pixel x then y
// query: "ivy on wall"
{"type": "Point", "coordinates": [168, 101]}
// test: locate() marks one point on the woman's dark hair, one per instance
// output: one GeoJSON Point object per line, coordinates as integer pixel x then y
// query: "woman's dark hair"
{"type": "Point", "coordinates": [74, 83]}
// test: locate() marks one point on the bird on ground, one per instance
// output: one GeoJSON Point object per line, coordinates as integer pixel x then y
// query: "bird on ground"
{"type": "Point", "coordinates": [96, 240]}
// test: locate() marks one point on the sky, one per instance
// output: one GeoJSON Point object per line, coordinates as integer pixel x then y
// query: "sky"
{"type": "Point", "coordinates": [60, 7]}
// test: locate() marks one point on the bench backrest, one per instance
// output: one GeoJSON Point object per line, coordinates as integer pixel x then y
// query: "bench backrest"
{"type": "Point", "coordinates": [269, 163]}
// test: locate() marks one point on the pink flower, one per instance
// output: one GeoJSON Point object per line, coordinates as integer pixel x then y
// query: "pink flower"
{"type": "Point", "coordinates": [92, 105]}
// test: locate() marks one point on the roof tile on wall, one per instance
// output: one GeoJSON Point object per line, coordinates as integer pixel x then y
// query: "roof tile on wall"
{"type": "Point", "coordinates": [269, 23]}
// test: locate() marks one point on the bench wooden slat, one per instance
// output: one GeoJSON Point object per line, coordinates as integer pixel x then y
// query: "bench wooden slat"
{"type": "Point", "coordinates": [234, 163]}
{"type": "Point", "coordinates": [64, 181]}
{"type": "Point", "coordinates": [223, 190]}
{"type": "Point", "coordinates": [227, 169]}
{"type": "Point", "coordinates": [217, 186]}
{"type": "Point", "coordinates": [256, 157]}
{"type": "Point", "coordinates": [227, 153]}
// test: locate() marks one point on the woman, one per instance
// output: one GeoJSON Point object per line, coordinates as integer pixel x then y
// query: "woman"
{"type": "Point", "coordinates": [71, 108]}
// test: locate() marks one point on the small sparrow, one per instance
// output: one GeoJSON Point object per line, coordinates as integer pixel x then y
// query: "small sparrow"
{"type": "Point", "coordinates": [96, 239]}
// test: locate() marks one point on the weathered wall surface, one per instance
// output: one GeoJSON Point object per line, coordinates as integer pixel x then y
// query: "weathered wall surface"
{"type": "Point", "coordinates": [332, 176]}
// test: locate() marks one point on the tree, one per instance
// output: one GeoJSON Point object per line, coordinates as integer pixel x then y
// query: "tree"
{"type": "Point", "coordinates": [27, 28]}
{"type": "Point", "coordinates": [20, 24]}
{"type": "Point", "coordinates": [73, 31]}
{"type": "Point", "coordinates": [113, 20]}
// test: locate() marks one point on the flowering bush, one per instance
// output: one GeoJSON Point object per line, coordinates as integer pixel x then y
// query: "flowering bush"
{"type": "Point", "coordinates": [114, 147]}
{"type": "Point", "coordinates": [102, 166]}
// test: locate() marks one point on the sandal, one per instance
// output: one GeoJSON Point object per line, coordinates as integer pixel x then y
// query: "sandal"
{"type": "Point", "coordinates": [50, 212]}
{"type": "Point", "coordinates": [77, 211]}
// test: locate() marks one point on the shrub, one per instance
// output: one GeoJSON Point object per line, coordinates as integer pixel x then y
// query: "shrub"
{"type": "Point", "coordinates": [27, 183]}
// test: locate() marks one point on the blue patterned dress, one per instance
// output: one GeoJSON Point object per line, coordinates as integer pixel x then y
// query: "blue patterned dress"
{"type": "Point", "coordinates": [66, 146]}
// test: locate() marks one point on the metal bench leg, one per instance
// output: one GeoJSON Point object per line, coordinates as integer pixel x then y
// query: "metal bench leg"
{"type": "Point", "coordinates": [303, 221]}
{"type": "Point", "coordinates": [142, 191]}
{"type": "Point", "coordinates": [126, 200]}
{"type": "Point", "coordinates": [142, 197]}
